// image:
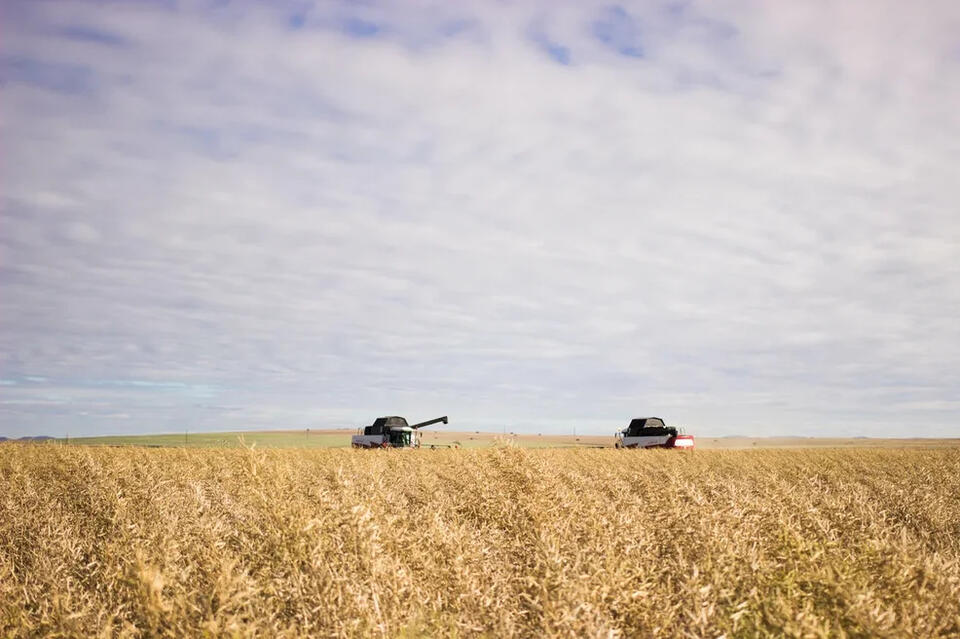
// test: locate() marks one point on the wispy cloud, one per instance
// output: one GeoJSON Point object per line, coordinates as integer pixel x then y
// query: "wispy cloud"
{"type": "Point", "coordinates": [739, 216]}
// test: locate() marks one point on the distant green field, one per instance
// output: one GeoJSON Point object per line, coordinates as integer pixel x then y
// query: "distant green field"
{"type": "Point", "coordinates": [262, 439]}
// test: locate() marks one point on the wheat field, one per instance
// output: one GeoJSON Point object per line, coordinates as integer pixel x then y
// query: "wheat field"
{"type": "Point", "coordinates": [496, 542]}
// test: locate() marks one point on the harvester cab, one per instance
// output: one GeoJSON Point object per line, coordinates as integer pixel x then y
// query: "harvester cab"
{"type": "Point", "coordinates": [391, 432]}
{"type": "Point", "coordinates": [651, 432]}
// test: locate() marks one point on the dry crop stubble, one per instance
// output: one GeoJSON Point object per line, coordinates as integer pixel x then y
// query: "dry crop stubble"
{"type": "Point", "coordinates": [505, 541]}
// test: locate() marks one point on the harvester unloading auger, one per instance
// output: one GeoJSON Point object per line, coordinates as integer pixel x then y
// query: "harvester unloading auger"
{"type": "Point", "coordinates": [391, 432]}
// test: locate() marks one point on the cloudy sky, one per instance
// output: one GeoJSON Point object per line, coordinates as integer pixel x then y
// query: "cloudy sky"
{"type": "Point", "coordinates": [742, 217]}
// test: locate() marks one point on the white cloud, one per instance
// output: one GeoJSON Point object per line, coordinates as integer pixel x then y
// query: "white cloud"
{"type": "Point", "coordinates": [750, 228]}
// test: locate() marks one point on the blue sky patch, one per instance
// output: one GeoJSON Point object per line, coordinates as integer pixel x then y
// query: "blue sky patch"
{"type": "Point", "coordinates": [97, 36]}
{"type": "Point", "coordinates": [557, 52]}
{"type": "Point", "coordinates": [456, 27]}
{"type": "Point", "coordinates": [297, 20]}
{"type": "Point", "coordinates": [55, 76]}
{"type": "Point", "coordinates": [619, 31]}
{"type": "Point", "coordinates": [360, 28]}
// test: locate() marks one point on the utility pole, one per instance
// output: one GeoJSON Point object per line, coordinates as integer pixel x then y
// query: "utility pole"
{"type": "Point", "coordinates": [185, 433]}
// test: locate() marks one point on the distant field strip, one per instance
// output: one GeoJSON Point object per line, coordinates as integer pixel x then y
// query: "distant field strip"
{"type": "Point", "coordinates": [495, 542]}
{"type": "Point", "coordinates": [321, 439]}
{"type": "Point", "coordinates": [262, 439]}
{"type": "Point", "coordinates": [474, 439]}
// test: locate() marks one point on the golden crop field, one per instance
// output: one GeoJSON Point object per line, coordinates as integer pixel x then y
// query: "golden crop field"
{"type": "Point", "coordinates": [495, 542]}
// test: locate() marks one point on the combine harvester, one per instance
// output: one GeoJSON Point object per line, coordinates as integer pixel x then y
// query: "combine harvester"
{"type": "Point", "coordinates": [651, 432]}
{"type": "Point", "coordinates": [391, 432]}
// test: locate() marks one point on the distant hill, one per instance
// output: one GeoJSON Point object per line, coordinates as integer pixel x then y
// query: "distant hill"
{"type": "Point", "coordinates": [35, 438]}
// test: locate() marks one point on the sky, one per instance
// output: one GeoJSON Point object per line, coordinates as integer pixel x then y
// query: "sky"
{"type": "Point", "coordinates": [535, 216]}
